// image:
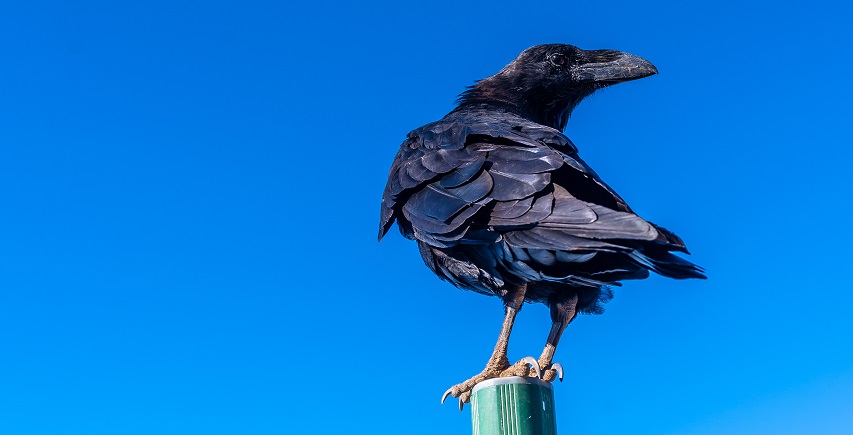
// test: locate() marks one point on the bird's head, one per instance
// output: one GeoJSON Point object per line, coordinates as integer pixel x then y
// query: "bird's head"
{"type": "Point", "coordinates": [545, 82]}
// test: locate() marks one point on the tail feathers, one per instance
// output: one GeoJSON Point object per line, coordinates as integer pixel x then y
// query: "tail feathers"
{"type": "Point", "coordinates": [668, 264]}
{"type": "Point", "coordinates": [668, 238]}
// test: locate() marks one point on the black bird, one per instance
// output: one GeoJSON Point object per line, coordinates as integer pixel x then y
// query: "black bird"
{"type": "Point", "coordinates": [500, 202]}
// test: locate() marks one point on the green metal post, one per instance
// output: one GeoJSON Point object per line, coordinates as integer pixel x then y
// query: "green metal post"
{"type": "Point", "coordinates": [513, 406]}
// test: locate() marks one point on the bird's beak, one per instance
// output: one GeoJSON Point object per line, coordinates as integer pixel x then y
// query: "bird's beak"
{"type": "Point", "coordinates": [608, 67]}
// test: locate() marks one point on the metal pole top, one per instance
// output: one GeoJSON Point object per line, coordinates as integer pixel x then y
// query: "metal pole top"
{"type": "Point", "coordinates": [512, 406]}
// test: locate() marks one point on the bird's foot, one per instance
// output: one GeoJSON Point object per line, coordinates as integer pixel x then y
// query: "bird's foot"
{"type": "Point", "coordinates": [551, 372]}
{"type": "Point", "coordinates": [527, 366]}
{"type": "Point", "coordinates": [547, 372]}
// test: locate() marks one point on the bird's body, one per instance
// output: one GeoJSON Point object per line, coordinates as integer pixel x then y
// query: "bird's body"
{"type": "Point", "coordinates": [500, 202]}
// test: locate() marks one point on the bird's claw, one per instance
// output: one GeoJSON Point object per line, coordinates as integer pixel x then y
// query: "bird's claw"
{"type": "Point", "coordinates": [446, 394]}
{"type": "Point", "coordinates": [534, 365]}
{"type": "Point", "coordinates": [557, 367]}
{"type": "Point", "coordinates": [464, 396]}
{"type": "Point", "coordinates": [552, 372]}
{"type": "Point", "coordinates": [527, 366]}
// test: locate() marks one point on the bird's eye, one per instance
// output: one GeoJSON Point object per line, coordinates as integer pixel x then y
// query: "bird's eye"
{"type": "Point", "coordinates": [557, 59]}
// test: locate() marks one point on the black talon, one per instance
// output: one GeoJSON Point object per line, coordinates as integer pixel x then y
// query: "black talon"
{"type": "Point", "coordinates": [446, 393]}
{"type": "Point", "coordinates": [559, 369]}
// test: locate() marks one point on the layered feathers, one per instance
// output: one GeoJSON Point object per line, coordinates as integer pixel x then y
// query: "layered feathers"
{"type": "Point", "coordinates": [496, 195]}
{"type": "Point", "coordinates": [492, 197]}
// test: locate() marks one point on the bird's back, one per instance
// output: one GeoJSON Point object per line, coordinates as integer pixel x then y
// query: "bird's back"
{"type": "Point", "coordinates": [493, 198]}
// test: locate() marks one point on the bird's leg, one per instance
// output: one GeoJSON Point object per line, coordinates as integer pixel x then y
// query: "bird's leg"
{"type": "Point", "coordinates": [563, 311]}
{"type": "Point", "coordinates": [498, 364]}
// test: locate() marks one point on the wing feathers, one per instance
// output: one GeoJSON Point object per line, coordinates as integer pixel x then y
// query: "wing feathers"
{"type": "Point", "coordinates": [463, 182]}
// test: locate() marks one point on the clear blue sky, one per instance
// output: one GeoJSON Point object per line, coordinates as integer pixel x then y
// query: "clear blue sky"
{"type": "Point", "coordinates": [190, 196]}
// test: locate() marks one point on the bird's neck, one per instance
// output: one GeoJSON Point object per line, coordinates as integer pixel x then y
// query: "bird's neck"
{"type": "Point", "coordinates": [530, 103]}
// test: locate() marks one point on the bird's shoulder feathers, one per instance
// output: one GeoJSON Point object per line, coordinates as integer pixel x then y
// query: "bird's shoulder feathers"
{"type": "Point", "coordinates": [474, 175]}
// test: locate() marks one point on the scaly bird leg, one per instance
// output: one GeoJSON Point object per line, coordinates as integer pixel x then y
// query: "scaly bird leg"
{"type": "Point", "coordinates": [563, 311]}
{"type": "Point", "coordinates": [498, 365]}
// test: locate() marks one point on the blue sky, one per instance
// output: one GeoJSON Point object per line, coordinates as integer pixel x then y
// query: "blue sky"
{"type": "Point", "coordinates": [190, 203]}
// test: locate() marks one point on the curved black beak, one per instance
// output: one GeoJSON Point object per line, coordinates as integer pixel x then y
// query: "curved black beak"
{"type": "Point", "coordinates": [608, 67]}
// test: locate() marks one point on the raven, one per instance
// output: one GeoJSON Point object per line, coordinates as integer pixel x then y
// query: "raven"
{"type": "Point", "coordinates": [500, 202]}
